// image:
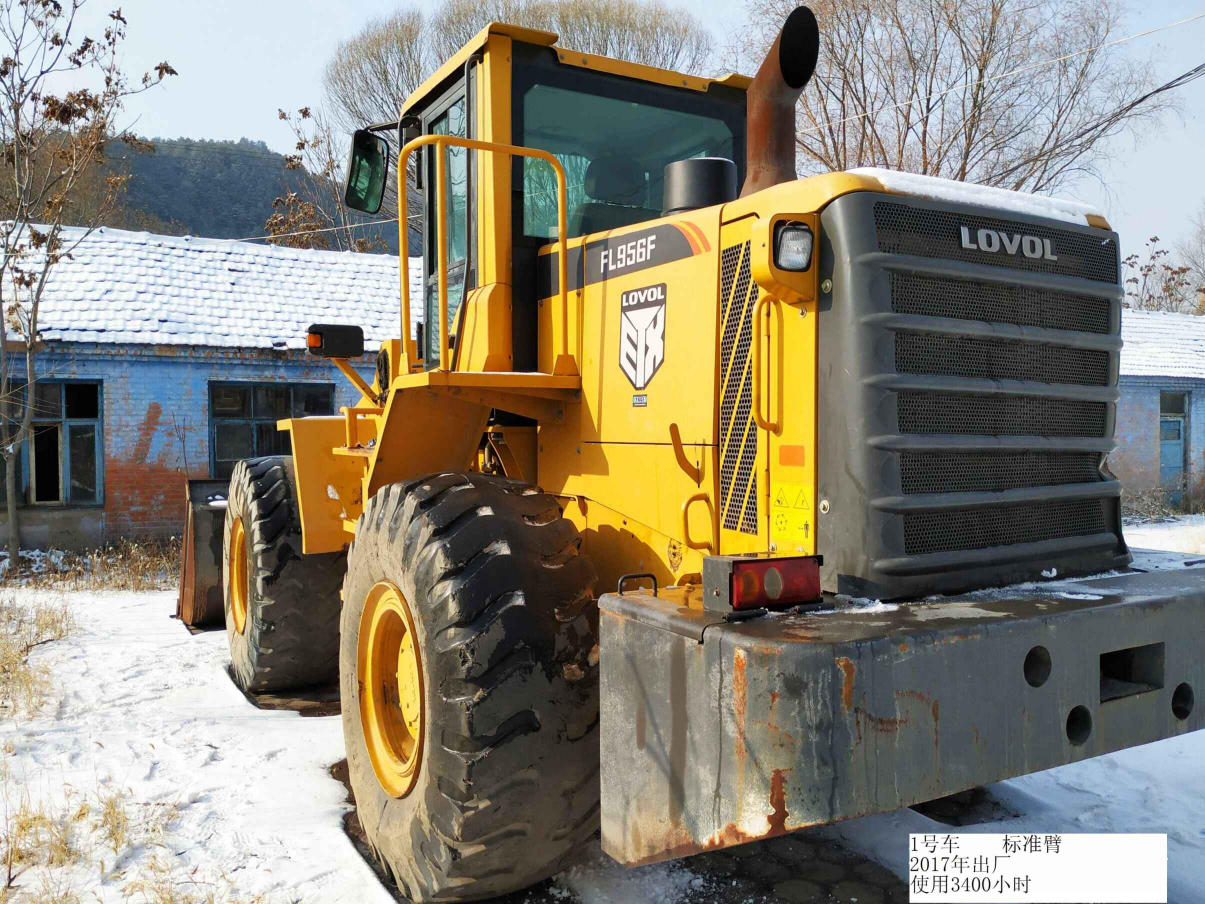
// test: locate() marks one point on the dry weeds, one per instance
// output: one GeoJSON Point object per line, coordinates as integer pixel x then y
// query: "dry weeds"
{"type": "Point", "coordinates": [35, 834]}
{"type": "Point", "coordinates": [24, 687]}
{"type": "Point", "coordinates": [51, 854]}
{"type": "Point", "coordinates": [128, 565]}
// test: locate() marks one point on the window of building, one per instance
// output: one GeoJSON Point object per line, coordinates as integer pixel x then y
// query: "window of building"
{"type": "Point", "coordinates": [243, 416]}
{"type": "Point", "coordinates": [62, 460]}
{"type": "Point", "coordinates": [1172, 403]}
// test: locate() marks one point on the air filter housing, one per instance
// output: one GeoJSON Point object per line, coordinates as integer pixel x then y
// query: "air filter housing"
{"type": "Point", "coordinates": [698, 182]}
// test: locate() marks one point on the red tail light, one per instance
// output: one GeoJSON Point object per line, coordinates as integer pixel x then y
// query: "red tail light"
{"type": "Point", "coordinates": [757, 583]}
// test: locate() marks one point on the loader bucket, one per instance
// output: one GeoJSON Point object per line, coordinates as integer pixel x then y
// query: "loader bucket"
{"type": "Point", "coordinates": [200, 602]}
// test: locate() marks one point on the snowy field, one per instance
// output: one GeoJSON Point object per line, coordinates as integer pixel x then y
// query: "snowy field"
{"type": "Point", "coordinates": [155, 774]}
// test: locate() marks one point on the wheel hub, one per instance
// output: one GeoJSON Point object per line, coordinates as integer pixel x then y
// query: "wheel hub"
{"type": "Point", "coordinates": [237, 575]}
{"type": "Point", "coordinates": [389, 672]}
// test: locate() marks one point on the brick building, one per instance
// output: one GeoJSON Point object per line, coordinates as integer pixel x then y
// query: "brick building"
{"type": "Point", "coordinates": [171, 357]}
{"type": "Point", "coordinates": [1161, 414]}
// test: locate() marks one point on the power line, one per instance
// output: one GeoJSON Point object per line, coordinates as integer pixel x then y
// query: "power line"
{"type": "Point", "coordinates": [286, 235]}
{"type": "Point", "coordinates": [1012, 72]}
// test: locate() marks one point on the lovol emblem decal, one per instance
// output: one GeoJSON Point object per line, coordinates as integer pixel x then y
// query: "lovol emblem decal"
{"type": "Point", "coordinates": [642, 333]}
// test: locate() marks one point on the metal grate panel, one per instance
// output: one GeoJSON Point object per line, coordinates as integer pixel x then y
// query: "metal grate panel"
{"type": "Point", "coordinates": [998, 415]}
{"type": "Point", "coordinates": [992, 359]}
{"type": "Point", "coordinates": [934, 296]}
{"type": "Point", "coordinates": [929, 532]}
{"type": "Point", "coordinates": [993, 472]}
{"type": "Point", "coordinates": [738, 432]}
{"type": "Point", "coordinates": [938, 233]}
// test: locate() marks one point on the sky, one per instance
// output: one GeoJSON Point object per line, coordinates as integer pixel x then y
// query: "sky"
{"type": "Point", "coordinates": [240, 62]}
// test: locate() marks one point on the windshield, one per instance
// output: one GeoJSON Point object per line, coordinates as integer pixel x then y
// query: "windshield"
{"type": "Point", "coordinates": [614, 137]}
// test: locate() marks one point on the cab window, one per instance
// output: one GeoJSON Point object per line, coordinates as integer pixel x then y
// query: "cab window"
{"type": "Point", "coordinates": [614, 137]}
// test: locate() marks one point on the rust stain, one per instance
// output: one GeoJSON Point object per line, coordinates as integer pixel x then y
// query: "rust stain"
{"type": "Point", "coordinates": [800, 634]}
{"type": "Point", "coordinates": [773, 699]}
{"type": "Point", "coordinates": [886, 725]}
{"type": "Point", "coordinates": [934, 707]}
{"type": "Point", "coordinates": [903, 648]}
{"type": "Point", "coordinates": [848, 670]}
{"type": "Point", "coordinates": [739, 703]}
{"type": "Point", "coordinates": [778, 802]}
{"type": "Point", "coordinates": [681, 844]}
{"type": "Point", "coordinates": [739, 690]}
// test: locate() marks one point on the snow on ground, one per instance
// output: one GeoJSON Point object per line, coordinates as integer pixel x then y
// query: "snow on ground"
{"type": "Point", "coordinates": [1186, 534]}
{"type": "Point", "coordinates": [147, 710]}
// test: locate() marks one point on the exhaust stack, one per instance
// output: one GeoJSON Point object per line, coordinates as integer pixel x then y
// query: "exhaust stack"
{"type": "Point", "coordinates": [770, 110]}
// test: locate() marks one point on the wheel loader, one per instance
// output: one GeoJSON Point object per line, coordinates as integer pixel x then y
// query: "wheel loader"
{"type": "Point", "coordinates": [595, 548]}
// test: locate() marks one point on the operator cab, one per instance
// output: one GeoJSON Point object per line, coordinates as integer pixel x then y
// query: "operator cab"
{"type": "Point", "coordinates": [614, 127]}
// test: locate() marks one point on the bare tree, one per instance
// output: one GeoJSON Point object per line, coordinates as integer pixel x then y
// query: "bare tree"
{"type": "Point", "coordinates": [60, 96]}
{"type": "Point", "coordinates": [967, 90]}
{"type": "Point", "coordinates": [1157, 283]}
{"type": "Point", "coordinates": [315, 216]}
{"type": "Point", "coordinates": [640, 32]}
{"type": "Point", "coordinates": [1192, 252]}
{"type": "Point", "coordinates": [372, 73]}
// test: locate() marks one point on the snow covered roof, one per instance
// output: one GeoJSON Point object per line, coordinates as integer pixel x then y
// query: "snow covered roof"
{"type": "Point", "coordinates": [982, 195]}
{"type": "Point", "coordinates": [138, 288]}
{"type": "Point", "coordinates": [1162, 345]}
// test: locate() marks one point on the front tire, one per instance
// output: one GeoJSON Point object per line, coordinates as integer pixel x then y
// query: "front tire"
{"type": "Point", "coordinates": [472, 753]}
{"type": "Point", "coordinates": [282, 608]}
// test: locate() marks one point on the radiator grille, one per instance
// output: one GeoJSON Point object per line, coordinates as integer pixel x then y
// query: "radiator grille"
{"type": "Point", "coordinates": [938, 233]}
{"type": "Point", "coordinates": [738, 432]}
{"type": "Point", "coordinates": [994, 472]}
{"type": "Point", "coordinates": [945, 531]}
{"type": "Point", "coordinates": [933, 296]}
{"type": "Point", "coordinates": [991, 359]}
{"type": "Point", "coordinates": [998, 415]}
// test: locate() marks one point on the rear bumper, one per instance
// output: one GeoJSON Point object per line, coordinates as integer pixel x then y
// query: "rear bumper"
{"type": "Point", "coordinates": [716, 733]}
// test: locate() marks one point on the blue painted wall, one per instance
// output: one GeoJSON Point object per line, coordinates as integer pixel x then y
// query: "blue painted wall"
{"type": "Point", "coordinates": [155, 416]}
{"type": "Point", "coordinates": [1136, 459]}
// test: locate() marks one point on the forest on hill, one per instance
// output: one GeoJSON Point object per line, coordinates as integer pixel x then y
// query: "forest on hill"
{"type": "Point", "coordinates": [213, 189]}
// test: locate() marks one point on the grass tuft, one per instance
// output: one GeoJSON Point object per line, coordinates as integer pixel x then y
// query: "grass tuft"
{"type": "Point", "coordinates": [129, 565]}
{"type": "Point", "coordinates": [113, 819]}
{"type": "Point", "coordinates": [25, 687]}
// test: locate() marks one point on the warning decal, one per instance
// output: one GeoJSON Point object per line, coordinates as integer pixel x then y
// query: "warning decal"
{"type": "Point", "coordinates": [791, 509]}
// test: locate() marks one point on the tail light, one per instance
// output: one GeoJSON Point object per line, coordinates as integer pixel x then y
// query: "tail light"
{"type": "Point", "coordinates": [735, 583]}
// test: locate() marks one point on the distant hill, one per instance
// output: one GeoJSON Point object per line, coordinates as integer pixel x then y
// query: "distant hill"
{"type": "Point", "coordinates": [214, 189]}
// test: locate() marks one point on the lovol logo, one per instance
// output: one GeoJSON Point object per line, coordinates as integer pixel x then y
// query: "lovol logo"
{"type": "Point", "coordinates": [642, 335]}
{"type": "Point", "coordinates": [991, 241]}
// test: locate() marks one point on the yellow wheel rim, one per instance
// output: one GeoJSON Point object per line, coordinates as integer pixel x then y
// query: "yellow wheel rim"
{"type": "Point", "coordinates": [390, 676]}
{"type": "Point", "coordinates": [237, 577]}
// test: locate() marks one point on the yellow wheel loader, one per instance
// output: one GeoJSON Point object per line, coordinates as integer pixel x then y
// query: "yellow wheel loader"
{"type": "Point", "coordinates": [606, 527]}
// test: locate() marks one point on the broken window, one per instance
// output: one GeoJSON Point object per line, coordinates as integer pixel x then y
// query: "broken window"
{"type": "Point", "coordinates": [243, 416]}
{"type": "Point", "coordinates": [61, 461]}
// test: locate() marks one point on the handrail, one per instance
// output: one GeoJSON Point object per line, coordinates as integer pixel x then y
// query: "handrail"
{"type": "Point", "coordinates": [713, 545]}
{"type": "Point", "coordinates": [441, 229]}
{"type": "Point", "coordinates": [770, 426]}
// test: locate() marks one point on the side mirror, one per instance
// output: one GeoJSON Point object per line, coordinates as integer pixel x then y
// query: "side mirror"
{"type": "Point", "coordinates": [330, 340]}
{"type": "Point", "coordinates": [367, 172]}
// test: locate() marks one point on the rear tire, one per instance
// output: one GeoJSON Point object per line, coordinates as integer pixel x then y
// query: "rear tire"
{"type": "Point", "coordinates": [283, 626]}
{"type": "Point", "coordinates": [501, 602]}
